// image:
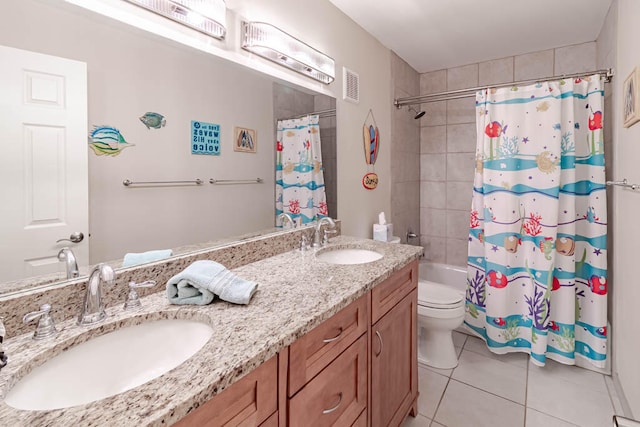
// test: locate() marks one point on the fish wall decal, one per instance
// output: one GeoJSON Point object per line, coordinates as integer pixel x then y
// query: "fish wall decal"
{"type": "Point", "coordinates": [107, 141]}
{"type": "Point", "coordinates": [153, 120]}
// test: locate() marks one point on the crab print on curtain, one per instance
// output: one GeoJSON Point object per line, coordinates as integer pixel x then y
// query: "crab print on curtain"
{"type": "Point", "coordinates": [537, 264]}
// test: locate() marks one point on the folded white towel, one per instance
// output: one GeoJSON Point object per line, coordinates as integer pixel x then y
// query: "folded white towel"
{"type": "Point", "coordinates": [200, 281]}
{"type": "Point", "coordinates": [132, 259]}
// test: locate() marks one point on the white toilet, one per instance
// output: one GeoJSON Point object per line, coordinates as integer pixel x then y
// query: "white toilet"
{"type": "Point", "coordinates": [440, 311]}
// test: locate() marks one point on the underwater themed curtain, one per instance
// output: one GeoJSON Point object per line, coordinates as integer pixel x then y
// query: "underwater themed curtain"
{"type": "Point", "coordinates": [537, 265]}
{"type": "Point", "coordinates": [299, 172]}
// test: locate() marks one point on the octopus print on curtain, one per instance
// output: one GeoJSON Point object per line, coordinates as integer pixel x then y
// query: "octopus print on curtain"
{"type": "Point", "coordinates": [537, 265]}
{"type": "Point", "coordinates": [299, 172]}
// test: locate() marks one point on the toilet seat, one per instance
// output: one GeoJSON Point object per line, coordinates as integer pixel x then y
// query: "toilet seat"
{"type": "Point", "coordinates": [435, 295]}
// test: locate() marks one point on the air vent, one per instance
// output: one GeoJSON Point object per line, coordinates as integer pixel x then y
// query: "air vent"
{"type": "Point", "coordinates": [350, 86]}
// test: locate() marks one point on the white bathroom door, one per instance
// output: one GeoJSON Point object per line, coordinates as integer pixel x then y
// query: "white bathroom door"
{"type": "Point", "coordinates": [43, 162]}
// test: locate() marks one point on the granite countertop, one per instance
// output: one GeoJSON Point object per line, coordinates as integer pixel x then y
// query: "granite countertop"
{"type": "Point", "coordinates": [296, 292]}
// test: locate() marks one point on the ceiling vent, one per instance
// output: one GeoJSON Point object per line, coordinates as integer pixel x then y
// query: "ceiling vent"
{"type": "Point", "coordinates": [350, 86]}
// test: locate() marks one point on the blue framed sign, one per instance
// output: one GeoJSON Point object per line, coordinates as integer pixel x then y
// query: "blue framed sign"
{"type": "Point", "coordinates": [205, 138]}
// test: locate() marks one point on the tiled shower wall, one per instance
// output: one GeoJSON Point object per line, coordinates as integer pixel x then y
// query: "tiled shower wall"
{"type": "Point", "coordinates": [448, 140]}
{"type": "Point", "coordinates": [405, 153]}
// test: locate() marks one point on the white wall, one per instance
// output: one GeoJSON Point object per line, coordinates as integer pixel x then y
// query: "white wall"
{"type": "Point", "coordinates": [625, 214]}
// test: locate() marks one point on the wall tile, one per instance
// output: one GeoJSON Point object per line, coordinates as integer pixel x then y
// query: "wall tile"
{"type": "Point", "coordinates": [534, 65]}
{"type": "Point", "coordinates": [433, 139]}
{"type": "Point", "coordinates": [435, 248]}
{"type": "Point", "coordinates": [461, 110]}
{"type": "Point", "coordinates": [575, 59]}
{"type": "Point", "coordinates": [457, 224]}
{"type": "Point", "coordinates": [457, 251]}
{"type": "Point", "coordinates": [433, 82]}
{"type": "Point", "coordinates": [433, 222]}
{"type": "Point", "coordinates": [460, 167]}
{"type": "Point", "coordinates": [495, 72]}
{"type": "Point", "coordinates": [459, 195]}
{"type": "Point", "coordinates": [406, 137]}
{"type": "Point", "coordinates": [404, 76]}
{"type": "Point", "coordinates": [461, 138]}
{"type": "Point", "coordinates": [462, 77]}
{"type": "Point", "coordinates": [435, 113]}
{"type": "Point", "coordinates": [433, 167]}
{"type": "Point", "coordinates": [607, 39]}
{"type": "Point", "coordinates": [412, 191]}
{"type": "Point", "coordinates": [433, 194]}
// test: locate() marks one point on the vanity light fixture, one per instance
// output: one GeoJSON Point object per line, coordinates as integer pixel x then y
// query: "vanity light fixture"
{"type": "Point", "coordinates": [275, 45]}
{"type": "Point", "coordinates": [206, 16]}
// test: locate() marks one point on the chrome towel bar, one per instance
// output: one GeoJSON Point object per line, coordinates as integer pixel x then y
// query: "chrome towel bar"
{"type": "Point", "coordinates": [236, 181]}
{"type": "Point", "coordinates": [128, 182]}
{"type": "Point", "coordinates": [625, 184]}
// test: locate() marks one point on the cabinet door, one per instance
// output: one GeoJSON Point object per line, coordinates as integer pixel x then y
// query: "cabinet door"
{"type": "Point", "coordinates": [394, 364]}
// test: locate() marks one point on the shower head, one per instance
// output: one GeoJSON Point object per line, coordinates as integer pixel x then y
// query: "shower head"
{"type": "Point", "coordinates": [418, 113]}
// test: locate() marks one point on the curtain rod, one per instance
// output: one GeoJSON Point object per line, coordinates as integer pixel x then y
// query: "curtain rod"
{"type": "Point", "coordinates": [323, 113]}
{"type": "Point", "coordinates": [465, 93]}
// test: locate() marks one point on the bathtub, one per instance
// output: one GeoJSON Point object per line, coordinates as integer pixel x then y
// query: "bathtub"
{"type": "Point", "coordinates": [448, 275]}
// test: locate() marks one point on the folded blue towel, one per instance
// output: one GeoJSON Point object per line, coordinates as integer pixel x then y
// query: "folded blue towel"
{"type": "Point", "coordinates": [199, 282]}
{"type": "Point", "coordinates": [132, 259]}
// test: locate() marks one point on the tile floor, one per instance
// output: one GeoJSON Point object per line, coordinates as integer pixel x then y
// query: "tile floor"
{"type": "Point", "coordinates": [507, 391]}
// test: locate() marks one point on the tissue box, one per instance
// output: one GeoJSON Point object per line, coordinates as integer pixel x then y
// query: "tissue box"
{"type": "Point", "coordinates": [382, 232]}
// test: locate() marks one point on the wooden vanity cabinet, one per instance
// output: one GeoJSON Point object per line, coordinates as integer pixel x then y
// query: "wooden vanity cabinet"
{"type": "Point", "coordinates": [358, 368]}
{"type": "Point", "coordinates": [394, 363]}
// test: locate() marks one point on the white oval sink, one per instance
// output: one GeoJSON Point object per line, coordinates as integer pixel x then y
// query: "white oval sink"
{"type": "Point", "coordinates": [348, 256]}
{"type": "Point", "coordinates": [109, 364]}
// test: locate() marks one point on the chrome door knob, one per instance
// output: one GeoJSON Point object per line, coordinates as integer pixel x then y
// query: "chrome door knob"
{"type": "Point", "coordinates": [75, 237]}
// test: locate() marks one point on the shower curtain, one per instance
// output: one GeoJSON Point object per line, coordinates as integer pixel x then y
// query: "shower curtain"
{"type": "Point", "coordinates": [299, 172]}
{"type": "Point", "coordinates": [537, 265]}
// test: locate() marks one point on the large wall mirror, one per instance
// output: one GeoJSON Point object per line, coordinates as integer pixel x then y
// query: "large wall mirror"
{"type": "Point", "coordinates": [130, 73]}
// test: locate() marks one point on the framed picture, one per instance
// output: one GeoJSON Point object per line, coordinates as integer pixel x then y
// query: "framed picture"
{"type": "Point", "coordinates": [631, 99]}
{"type": "Point", "coordinates": [244, 140]}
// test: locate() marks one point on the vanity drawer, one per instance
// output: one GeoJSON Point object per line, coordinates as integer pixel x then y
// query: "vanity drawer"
{"type": "Point", "coordinates": [338, 395]}
{"type": "Point", "coordinates": [315, 350]}
{"type": "Point", "coordinates": [248, 402]}
{"type": "Point", "coordinates": [390, 292]}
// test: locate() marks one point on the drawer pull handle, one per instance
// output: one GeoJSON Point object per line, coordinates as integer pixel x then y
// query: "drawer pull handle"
{"type": "Point", "coordinates": [330, 410]}
{"type": "Point", "coordinates": [381, 344]}
{"type": "Point", "coordinates": [328, 340]}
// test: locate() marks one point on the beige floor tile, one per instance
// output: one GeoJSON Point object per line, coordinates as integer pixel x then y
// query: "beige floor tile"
{"type": "Point", "coordinates": [572, 374]}
{"type": "Point", "coordinates": [538, 419]}
{"type": "Point", "coordinates": [419, 421]}
{"type": "Point", "coordinates": [571, 395]}
{"type": "Point", "coordinates": [431, 387]}
{"type": "Point", "coordinates": [493, 375]}
{"type": "Point", "coordinates": [465, 406]}
{"type": "Point", "coordinates": [477, 345]}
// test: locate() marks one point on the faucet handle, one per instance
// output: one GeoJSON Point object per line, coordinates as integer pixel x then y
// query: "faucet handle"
{"type": "Point", "coordinates": [46, 327]}
{"type": "Point", "coordinates": [304, 242]}
{"type": "Point", "coordinates": [325, 235]}
{"type": "Point", "coordinates": [133, 299]}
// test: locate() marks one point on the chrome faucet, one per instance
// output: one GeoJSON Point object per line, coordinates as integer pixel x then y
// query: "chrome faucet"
{"type": "Point", "coordinates": [284, 217]}
{"type": "Point", "coordinates": [66, 255]}
{"type": "Point", "coordinates": [92, 309]}
{"type": "Point", "coordinates": [316, 235]}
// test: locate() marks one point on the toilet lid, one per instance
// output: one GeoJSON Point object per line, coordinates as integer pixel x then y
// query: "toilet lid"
{"type": "Point", "coordinates": [438, 296]}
